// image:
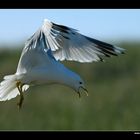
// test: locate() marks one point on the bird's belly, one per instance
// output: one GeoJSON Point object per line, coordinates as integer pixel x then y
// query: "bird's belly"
{"type": "Point", "coordinates": [38, 77]}
{"type": "Point", "coordinates": [50, 74]}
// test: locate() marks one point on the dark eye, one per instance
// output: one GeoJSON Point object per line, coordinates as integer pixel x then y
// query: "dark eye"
{"type": "Point", "coordinates": [80, 82]}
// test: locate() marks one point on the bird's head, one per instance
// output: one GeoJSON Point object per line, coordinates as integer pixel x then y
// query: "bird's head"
{"type": "Point", "coordinates": [78, 85]}
{"type": "Point", "coordinates": [74, 81]}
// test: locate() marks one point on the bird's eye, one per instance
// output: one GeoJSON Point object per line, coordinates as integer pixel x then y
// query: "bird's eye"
{"type": "Point", "coordinates": [80, 82]}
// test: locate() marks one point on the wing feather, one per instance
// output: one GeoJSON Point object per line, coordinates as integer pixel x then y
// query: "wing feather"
{"type": "Point", "coordinates": [68, 44]}
{"type": "Point", "coordinates": [60, 42]}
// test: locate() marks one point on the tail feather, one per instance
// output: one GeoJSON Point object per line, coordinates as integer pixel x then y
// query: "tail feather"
{"type": "Point", "coordinates": [8, 88]}
{"type": "Point", "coordinates": [10, 91]}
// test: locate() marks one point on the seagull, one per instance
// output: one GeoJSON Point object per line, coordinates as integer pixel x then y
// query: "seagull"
{"type": "Point", "coordinates": [40, 60]}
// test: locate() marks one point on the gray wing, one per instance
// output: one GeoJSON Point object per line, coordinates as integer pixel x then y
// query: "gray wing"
{"type": "Point", "coordinates": [62, 43]}
{"type": "Point", "coordinates": [68, 44]}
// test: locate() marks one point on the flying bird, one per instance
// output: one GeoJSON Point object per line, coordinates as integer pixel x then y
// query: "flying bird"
{"type": "Point", "coordinates": [40, 60]}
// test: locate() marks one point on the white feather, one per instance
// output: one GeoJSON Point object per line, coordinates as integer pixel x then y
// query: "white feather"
{"type": "Point", "coordinates": [8, 88]}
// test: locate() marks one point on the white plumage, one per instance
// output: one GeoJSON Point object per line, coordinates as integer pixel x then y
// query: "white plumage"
{"type": "Point", "coordinates": [40, 59]}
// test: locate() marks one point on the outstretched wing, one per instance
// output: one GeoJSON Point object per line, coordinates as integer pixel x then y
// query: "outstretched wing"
{"type": "Point", "coordinates": [35, 53]}
{"type": "Point", "coordinates": [68, 44]}
{"type": "Point", "coordinates": [62, 43]}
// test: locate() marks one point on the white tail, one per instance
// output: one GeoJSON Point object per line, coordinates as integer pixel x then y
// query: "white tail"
{"type": "Point", "coordinates": [8, 88]}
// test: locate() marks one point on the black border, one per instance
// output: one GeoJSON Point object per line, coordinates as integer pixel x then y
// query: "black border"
{"type": "Point", "coordinates": [87, 135]}
{"type": "Point", "coordinates": [68, 4]}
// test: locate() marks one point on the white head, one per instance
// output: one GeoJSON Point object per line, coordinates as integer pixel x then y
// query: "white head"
{"type": "Point", "coordinates": [79, 86]}
{"type": "Point", "coordinates": [76, 83]}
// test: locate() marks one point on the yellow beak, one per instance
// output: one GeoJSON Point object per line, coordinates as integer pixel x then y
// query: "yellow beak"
{"type": "Point", "coordinates": [85, 91]}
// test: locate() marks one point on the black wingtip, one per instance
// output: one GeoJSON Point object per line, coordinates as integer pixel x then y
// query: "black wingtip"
{"type": "Point", "coordinates": [123, 53]}
{"type": "Point", "coordinates": [101, 59]}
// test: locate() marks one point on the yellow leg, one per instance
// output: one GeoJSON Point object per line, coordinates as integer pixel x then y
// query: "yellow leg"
{"type": "Point", "coordinates": [21, 97]}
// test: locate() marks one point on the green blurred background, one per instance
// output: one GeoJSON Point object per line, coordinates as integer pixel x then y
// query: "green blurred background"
{"type": "Point", "coordinates": [113, 101]}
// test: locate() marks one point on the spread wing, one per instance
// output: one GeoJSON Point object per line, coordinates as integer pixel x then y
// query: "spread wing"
{"type": "Point", "coordinates": [68, 44]}
{"type": "Point", "coordinates": [62, 43]}
{"type": "Point", "coordinates": [35, 53]}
